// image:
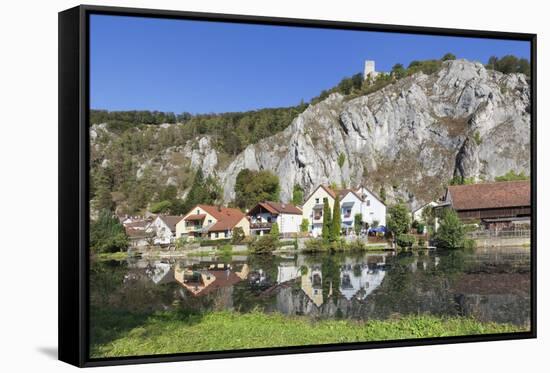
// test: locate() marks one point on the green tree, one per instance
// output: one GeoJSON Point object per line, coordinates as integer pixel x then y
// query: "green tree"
{"type": "Point", "coordinates": [336, 220]}
{"type": "Point", "coordinates": [304, 226]}
{"type": "Point", "coordinates": [383, 194]}
{"type": "Point", "coordinates": [162, 206]}
{"type": "Point", "coordinates": [274, 231]}
{"type": "Point", "coordinates": [238, 235]}
{"type": "Point", "coordinates": [357, 223]}
{"type": "Point", "coordinates": [201, 191]}
{"type": "Point", "coordinates": [398, 71]}
{"type": "Point", "coordinates": [448, 57]}
{"type": "Point", "coordinates": [327, 222]}
{"type": "Point", "coordinates": [512, 176]}
{"type": "Point", "coordinates": [107, 235]}
{"type": "Point", "coordinates": [451, 232]}
{"type": "Point", "coordinates": [297, 195]}
{"type": "Point", "coordinates": [341, 159]}
{"type": "Point", "coordinates": [398, 219]}
{"type": "Point", "coordinates": [252, 187]}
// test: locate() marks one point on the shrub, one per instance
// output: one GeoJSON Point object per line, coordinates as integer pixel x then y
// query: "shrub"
{"type": "Point", "coordinates": [107, 235]}
{"type": "Point", "coordinates": [238, 235]}
{"type": "Point", "coordinates": [304, 226]}
{"type": "Point", "coordinates": [264, 244]}
{"type": "Point", "coordinates": [451, 233]}
{"type": "Point", "coordinates": [405, 240]}
{"type": "Point", "coordinates": [161, 206]}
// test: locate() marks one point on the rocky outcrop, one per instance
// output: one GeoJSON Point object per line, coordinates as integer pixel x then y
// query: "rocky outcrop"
{"type": "Point", "coordinates": [410, 137]}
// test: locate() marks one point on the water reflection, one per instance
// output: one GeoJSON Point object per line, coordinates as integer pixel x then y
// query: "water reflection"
{"type": "Point", "coordinates": [487, 285]}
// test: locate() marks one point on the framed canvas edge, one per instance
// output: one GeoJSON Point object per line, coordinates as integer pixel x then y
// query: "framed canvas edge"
{"type": "Point", "coordinates": [73, 107]}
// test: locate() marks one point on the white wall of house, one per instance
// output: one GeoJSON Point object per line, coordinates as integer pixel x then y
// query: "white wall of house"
{"type": "Point", "coordinates": [371, 208]}
{"type": "Point", "coordinates": [417, 214]}
{"type": "Point", "coordinates": [289, 223]}
{"type": "Point", "coordinates": [163, 234]}
{"type": "Point", "coordinates": [183, 228]}
{"type": "Point", "coordinates": [316, 198]}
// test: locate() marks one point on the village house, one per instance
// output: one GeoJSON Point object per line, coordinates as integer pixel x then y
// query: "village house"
{"type": "Point", "coordinates": [361, 201]}
{"type": "Point", "coordinates": [418, 213]}
{"type": "Point", "coordinates": [500, 205]}
{"type": "Point", "coordinates": [352, 202]}
{"type": "Point", "coordinates": [313, 208]}
{"type": "Point", "coordinates": [262, 216]}
{"type": "Point", "coordinates": [212, 222]}
{"type": "Point", "coordinates": [163, 229]}
{"type": "Point", "coordinates": [136, 230]}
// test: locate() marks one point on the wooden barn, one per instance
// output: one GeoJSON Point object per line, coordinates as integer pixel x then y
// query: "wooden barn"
{"type": "Point", "coordinates": [496, 205]}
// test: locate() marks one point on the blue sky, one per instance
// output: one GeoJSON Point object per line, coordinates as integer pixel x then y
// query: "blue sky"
{"type": "Point", "coordinates": [209, 67]}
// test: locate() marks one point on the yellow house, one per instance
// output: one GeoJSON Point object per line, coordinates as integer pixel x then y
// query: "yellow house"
{"type": "Point", "coordinates": [212, 222]}
{"type": "Point", "coordinates": [313, 208]}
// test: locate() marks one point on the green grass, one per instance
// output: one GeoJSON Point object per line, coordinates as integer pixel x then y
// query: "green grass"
{"type": "Point", "coordinates": [162, 333]}
{"type": "Point", "coordinates": [120, 255]}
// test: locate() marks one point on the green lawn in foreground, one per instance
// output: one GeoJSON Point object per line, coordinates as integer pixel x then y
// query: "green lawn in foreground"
{"type": "Point", "coordinates": [163, 333]}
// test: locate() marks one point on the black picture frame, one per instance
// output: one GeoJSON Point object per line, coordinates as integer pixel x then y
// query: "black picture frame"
{"type": "Point", "coordinates": [74, 173]}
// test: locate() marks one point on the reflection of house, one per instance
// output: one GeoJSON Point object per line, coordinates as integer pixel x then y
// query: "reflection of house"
{"type": "Point", "coordinates": [360, 280]}
{"type": "Point", "coordinates": [160, 273]}
{"type": "Point", "coordinates": [287, 216]}
{"type": "Point", "coordinates": [312, 285]}
{"type": "Point", "coordinates": [287, 272]}
{"type": "Point", "coordinates": [497, 205]}
{"type": "Point", "coordinates": [213, 222]}
{"type": "Point", "coordinates": [164, 229]}
{"type": "Point", "coordinates": [204, 282]}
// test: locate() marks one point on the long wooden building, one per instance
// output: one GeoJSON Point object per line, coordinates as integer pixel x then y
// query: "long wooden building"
{"type": "Point", "coordinates": [492, 203]}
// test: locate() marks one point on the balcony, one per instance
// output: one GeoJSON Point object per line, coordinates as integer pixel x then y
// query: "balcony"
{"type": "Point", "coordinates": [260, 225]}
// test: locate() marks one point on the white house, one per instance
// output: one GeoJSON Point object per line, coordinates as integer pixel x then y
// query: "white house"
{"type": "Point", "coordinates": [313, 208]}
{"type": "Point", "coordinates": [360, 283]}
{"type": "Point", "coordinates": [262, 216]}
{"type": "Point", "coordinates": [361, 201]}
{"type": "Point", "coordinates": [417, 214]}
{"type": "Point", "coordinates": [164, 228]}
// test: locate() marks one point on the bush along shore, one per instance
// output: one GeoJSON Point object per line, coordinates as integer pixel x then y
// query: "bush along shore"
{"type": "Point", "coordinates": [116, 334]}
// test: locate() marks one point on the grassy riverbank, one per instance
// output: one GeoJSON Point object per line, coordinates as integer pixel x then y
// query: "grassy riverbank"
{"type": "Point", "coordinates": [161, 333]}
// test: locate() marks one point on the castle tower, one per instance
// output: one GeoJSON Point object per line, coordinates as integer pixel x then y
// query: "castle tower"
{"type": "Point", "coordinates": [369, 69]}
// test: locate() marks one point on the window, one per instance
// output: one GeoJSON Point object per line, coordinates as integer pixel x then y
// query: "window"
{"type": "Point", "coordinates": [198, 212]}
{"type": "Point", "coordinates": [225, 234]}
{"type": "Point", "coordinates": [347, 213]}
{"type": "Point", "coordinates": [316, 201]}
{"type": "Point", "coordinates": [216, 235]}
{"type": "Point", "coordinates": [317, 214]}
{"type": "Point", "coordinates": [368, 202]}
{"type": "Point", "coordinates": [209, 221]}
{"type": "Point", "coordinates": [325, 199]}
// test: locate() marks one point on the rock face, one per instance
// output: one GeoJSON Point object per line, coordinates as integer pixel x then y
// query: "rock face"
{"type": "Point", "coordinates": [410, 137]}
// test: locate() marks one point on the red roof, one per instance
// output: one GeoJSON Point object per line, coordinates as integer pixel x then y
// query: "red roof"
{"type": "Point", "coordinates": [195, 217]}
{"type": "Point", "coordinates": [277, 208]}
{"type": "Point", "coordinates": [490, 195]}
{"type": "Point", "coordinates": [226, 217]}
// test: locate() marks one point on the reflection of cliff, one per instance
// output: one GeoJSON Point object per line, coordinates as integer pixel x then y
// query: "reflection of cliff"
{"type": "Point", "coordinates": [503, 297]}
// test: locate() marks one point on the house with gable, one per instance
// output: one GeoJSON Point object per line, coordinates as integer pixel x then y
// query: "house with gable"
{"type": "Point", "coordinates": [212, 222]}
{"type": "Point", "coordinates": [361, 201]}
{"type": "Point", "coordinates": [262, 216]}
{"type": "Point", "coordinates": [313, 208]}
{"type": "Point", "coordinates": [164, 229]}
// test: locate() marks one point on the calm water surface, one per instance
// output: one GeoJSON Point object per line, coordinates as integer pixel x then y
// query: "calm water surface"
{"type": "Point", "coordinates": [486, 284]}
